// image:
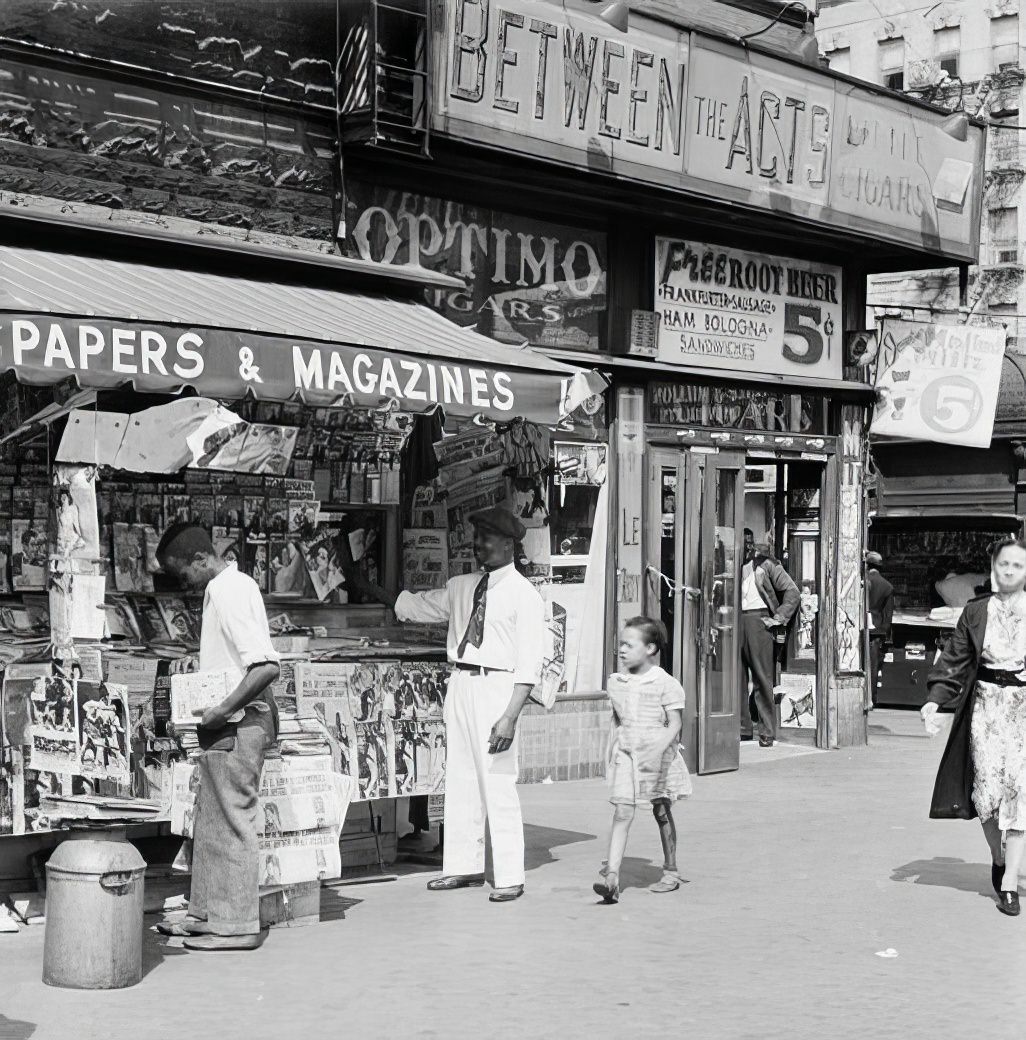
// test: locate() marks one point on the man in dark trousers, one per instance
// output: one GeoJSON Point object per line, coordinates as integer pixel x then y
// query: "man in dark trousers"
{"type": "Point", "coordinates": [880, 606]}
{"type": "Point", "coordinates": [769, 599]}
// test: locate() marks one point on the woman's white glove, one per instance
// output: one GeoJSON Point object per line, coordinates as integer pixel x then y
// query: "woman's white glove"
{"type": "Point", "coordinates": [933, 724]}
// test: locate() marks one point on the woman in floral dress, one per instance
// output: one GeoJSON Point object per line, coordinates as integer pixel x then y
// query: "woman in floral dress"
{"type": "Point", "coordinates": [982, 671]}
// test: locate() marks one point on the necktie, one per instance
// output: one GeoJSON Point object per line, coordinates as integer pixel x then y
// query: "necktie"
{"type": "Point", "coordinates": [475, 626]}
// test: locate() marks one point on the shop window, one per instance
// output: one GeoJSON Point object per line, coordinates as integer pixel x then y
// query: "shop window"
{"type": "Point", "coordinates": [840, 60]}
{"type": "Point", "coordinates": [947, 44]}
{"type": "Point", "coordinates": [578, 473]}
{"type": "Point", "coordinates": [891, 57]}
{"type": "Point", "coordinates": [1004, 41]}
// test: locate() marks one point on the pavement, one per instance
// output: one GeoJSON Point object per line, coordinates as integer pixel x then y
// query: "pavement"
{"type": "Point", "coordinates": [802, 869]}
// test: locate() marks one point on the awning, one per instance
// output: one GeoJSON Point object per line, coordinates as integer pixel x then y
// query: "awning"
{"type": "Point", "coordinates": [107, 324]}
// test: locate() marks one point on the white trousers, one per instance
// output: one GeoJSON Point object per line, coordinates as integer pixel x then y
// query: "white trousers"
{"type": "Point", "coordinates": [480, 787]}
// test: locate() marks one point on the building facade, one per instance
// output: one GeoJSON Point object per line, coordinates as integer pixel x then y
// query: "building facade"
{"type": "Point", "coordinates": [935, 508]}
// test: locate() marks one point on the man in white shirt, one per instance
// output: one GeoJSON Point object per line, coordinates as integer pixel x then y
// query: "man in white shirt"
{"type": "Point", "coordinates": [769, 599]}
{"type": "Point", "coordinates": [496, 645]}
{"type": "Point", "coordinates": [224, 900]}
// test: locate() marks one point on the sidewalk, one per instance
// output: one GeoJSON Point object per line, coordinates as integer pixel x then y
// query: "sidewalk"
{"type": "Point", "coordinates": [800, 868]}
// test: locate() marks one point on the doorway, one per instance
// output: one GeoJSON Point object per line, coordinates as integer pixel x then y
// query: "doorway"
{"type": "Point", "coordinates": [700, 501]}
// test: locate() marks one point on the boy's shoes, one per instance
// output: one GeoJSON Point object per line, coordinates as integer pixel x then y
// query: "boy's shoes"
{"type": "Point", "coordinates": [453, 881]}
{"type": "Point", "coordinates": [667, 883]}
{"type": "Point", "coordinates": [225, 942]}
{"type": "Point", "coordinates": [506, 895]}
{"type": "Point", "coordinates": [609, 889]}
{"type": "Point", "coordinates": [765, 742]}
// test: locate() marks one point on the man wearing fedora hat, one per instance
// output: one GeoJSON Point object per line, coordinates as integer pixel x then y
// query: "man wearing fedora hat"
{"type": "Point", "coordinates": [496, 645]}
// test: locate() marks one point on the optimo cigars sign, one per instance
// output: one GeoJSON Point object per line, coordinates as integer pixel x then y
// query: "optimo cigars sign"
{"type": "Point", "coordinates": [101, 353]}
{"type": "Point", "coordinates": [747, 312]}
{"type": "Point", "coordinates": [674, 108]}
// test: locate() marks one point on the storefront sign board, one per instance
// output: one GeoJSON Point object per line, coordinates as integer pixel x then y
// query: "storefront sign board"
{"type": "Point", "coordinates": [938, 382]}
{"type": "Point", "coordinates": [538, 76]}
{"type": "Point", "coordinates": [672, 403]}
{"type": "Point", "coordinates": [663, 106]}
{"type": "Point", "coordinates": [733, 310]}
{"type": "Point", "coordinates": [222, 363]}
{"type": "Point", "coordinates": [526, 280]}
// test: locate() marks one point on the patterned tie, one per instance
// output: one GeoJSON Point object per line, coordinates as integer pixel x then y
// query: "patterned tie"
{"type": "Point", "coordinates": [475, 626]}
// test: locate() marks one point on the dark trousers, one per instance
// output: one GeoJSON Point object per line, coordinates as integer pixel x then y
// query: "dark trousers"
{"type": "Point", "coordinates": [876, 655]}
{"type": "Point", "coordinates": [758, 655]}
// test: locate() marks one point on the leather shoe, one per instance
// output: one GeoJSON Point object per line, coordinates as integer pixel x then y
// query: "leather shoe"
{"type": "Point", "coordinates": [997, 874]}
{"type": "Point", "coordinates": [765, 742]}
{"type": "Point", "coordinates": [1008, 903]}
{"type": "Point", "coordinates": [454, 881]}
{"type": "Point", "coordinates": [506, 895]}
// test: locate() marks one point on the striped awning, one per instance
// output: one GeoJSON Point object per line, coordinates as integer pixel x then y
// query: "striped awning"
{"type": "Point", "coordinates": [110, 323]}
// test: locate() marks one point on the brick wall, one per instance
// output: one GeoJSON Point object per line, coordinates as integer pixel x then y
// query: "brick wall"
{"type": "Point", "coordinates": [567, 743]}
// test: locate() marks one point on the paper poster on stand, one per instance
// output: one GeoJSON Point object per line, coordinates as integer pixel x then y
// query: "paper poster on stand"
{"type": "Point", "coordinates": [74, 524]}
{"type": "Point", "coordinates": [938, 382]}
{"type": "Point", "coordinates": [798, 705]}
{"type": "Point", "coordinates": [103, 730]}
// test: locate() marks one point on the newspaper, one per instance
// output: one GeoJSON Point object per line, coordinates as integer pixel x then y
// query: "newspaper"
{"type": "Point", "coordinates": [193, 693]}
{"type": "Point", "coordinates": [425, 559]}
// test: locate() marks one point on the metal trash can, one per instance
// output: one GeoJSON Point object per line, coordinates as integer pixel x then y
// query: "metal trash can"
{"type": "Point", "coordinates": [94, 915]}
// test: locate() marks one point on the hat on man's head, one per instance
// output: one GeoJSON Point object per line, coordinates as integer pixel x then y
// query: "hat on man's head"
{"type": "Point", "coordinates": [874, 559]}
{"type": "Point", "coordinates": [499, 521]}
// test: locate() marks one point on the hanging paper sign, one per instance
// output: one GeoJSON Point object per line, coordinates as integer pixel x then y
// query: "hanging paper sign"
{"type": "Point", "coordinates": [938, 382]}
{"type": "Point", "coordinates": [223, 363]}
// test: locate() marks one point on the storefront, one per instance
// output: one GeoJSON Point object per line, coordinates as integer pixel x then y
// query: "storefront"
{"type": "Point", "coordinates": [695, 219]}
{"type": "Point", "coordinates": [303, 427]}
{"type": "Point", "coordinates": [934, 510]}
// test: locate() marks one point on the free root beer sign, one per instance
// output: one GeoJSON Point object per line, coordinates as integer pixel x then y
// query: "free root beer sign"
{"type": "Point", "coordinates": [737, 311]}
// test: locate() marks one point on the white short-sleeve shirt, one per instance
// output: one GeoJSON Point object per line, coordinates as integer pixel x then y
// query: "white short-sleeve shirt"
{"type": "Point", "coordinates": [235, 632]}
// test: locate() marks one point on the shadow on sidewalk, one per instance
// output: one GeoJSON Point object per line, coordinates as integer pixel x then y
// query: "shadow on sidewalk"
{"type": "Point", "coordinates": [540, 841]}
{"type": "Point", "coordinates": [15, 1029]}
{"type": "Point", "coordinates": [945, 872]}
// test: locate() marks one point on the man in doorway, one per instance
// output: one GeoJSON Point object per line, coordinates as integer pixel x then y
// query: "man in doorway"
{"type": "Point", "coordinates": [880, 607]}
{"type": "Point", "coordinates": [769, 599]}
{"type": "Point", "coordinates": [495, 646]}
{"type": "Point", "coordinates": [224, 903]}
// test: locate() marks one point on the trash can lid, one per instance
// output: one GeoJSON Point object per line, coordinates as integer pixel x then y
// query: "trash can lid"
{"type": "Point", "coordinates": [93, 856]}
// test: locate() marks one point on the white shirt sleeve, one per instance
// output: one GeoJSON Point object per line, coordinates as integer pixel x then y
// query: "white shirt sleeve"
{"type": "Point", "coordinates": [533, 639]}
{"type": "Point", "coordinates": [427, 608]}
{"type": "Point", "coordinates": [244, 622]}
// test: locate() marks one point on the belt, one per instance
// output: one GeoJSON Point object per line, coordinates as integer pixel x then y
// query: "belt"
{"type": "Point", "coordinates": [1000, 677]}
{"type": "Point", "coordinates": [477, 669]}
{"type": "Point", "coordinates": [759, 610]}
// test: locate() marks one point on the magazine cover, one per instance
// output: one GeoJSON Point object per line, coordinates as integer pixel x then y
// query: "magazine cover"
{"type": "Point", "coordinates": [28, 553]}
{"type": "Point", "coordinates": [323, 562]}
{"type": "Point", "coordinates": [134, 557]}
{"type": "Point", "coordinates": [54, 729]}
{"type": "Point", "coordinates": [103, 731]}
{"type": "Point", "coordinates": [74, 521]}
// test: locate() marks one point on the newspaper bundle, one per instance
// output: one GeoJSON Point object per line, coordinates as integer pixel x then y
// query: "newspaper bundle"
{"type": "Point", "coordinates": [193, 693]}
{"type": "Point", "coordinates": [301, 810]}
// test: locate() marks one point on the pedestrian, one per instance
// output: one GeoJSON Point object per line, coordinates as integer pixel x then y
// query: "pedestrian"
{"type": "Point", "coordinates": [982, 672]}
{"type": "Point", "coordinates": [647, 767]}
{"type": "Point", "coordinates": [224, 903]}
{"type": "Point", "coordinates": [769, 599]}
{"type": "Point", "coordinates": [880, 606]}
{"type": "Point", "coordinates": [496, 644]}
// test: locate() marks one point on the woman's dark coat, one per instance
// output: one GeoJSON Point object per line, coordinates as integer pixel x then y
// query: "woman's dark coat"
{"type": "Point", "coordinates": [953, 681]}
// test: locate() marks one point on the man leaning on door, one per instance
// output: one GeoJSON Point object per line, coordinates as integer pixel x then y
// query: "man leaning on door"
{"type": "Point", "coordinates": [769, 599]}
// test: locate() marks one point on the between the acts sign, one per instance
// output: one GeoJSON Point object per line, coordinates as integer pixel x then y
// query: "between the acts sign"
{"type": "Point", "coordinates": [733, 310]}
